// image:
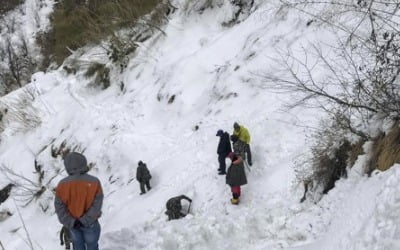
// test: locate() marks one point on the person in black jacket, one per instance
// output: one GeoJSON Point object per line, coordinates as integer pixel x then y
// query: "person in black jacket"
{"type": "Point", "coordinates": [224, 148]}
{"type": "Point", "coordinates": [143, 176]}
{"type": "Point", "coordinates": [174, 207]}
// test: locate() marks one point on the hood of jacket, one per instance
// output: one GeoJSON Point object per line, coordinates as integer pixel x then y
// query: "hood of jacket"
{"type": "Point", "coordinates": [75, 163]}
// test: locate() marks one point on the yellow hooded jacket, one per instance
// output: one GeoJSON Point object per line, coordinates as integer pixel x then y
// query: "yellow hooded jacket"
{"type": "Point", "coordinates": [243, 134]}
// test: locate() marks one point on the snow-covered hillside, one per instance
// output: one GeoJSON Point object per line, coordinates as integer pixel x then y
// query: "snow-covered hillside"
{"type": "Point", "coordinates": [179, 89]}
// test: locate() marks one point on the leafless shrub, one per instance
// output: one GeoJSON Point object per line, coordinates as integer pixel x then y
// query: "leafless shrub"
{"type": "Point", "coordinates": [21, 115]}
{"type": "Point", "coordinates": [26, 189]}
{"type": "Point", "coordinates": [328, 161]}
{"type": "Point", "coordinates": [28, 241]}
{"type": "Point", "coordinates": [362, 73]}
{"type": "Point", "coordinates": [18, 64]}
{"type": "Point", "coordinates": [360, 80]}
{"type": "Point", "coordinates": [63, 149]}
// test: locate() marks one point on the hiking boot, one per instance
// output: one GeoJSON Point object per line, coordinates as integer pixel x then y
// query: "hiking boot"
{"type": "Point", "coordinates": [222, 173]}
{"type": "Point", "coordinates": [142, 193]}
{"type": "Point", "coordinates": [235, 201]}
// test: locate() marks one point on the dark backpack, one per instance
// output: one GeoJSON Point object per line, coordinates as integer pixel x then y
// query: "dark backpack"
{"type": "Point", "coordinates": [146, 173]}
{"type": "Point", "coordinates": [174, 205]}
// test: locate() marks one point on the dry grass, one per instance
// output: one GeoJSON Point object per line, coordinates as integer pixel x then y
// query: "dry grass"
{"type": "Point", "coordinates": [385, 150]}
{"type": "Point", "coordinates": [76, 23]}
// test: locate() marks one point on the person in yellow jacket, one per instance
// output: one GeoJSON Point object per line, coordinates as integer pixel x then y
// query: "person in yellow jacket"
{"type": "Point", "coordinates": [243, 134]}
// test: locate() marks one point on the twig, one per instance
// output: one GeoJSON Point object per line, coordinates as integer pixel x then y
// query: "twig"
{"type": "Point", "coordinates": [24, 226]}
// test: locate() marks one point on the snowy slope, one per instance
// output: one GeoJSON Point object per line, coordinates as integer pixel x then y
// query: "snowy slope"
{"type": "Point", "coordinates": [212, 72]}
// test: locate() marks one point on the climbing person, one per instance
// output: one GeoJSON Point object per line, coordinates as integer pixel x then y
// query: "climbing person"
{"type": "Point", "coordinates": [65, 237]}
{"type": "Point", "coordinates": [78, 202]}
{"type": "Point", "coordinates": [143, 176]}
{"type": "Point", "coordinates": [235, 176]}
{"type": "Point", "coordinates": [239, 147]}
{"type": "Point", "coordinates": [174, 207]}
{"type": "Point", "coordinates": [244, 135]}
{"type": "Point", "coordinates": [224, 148]}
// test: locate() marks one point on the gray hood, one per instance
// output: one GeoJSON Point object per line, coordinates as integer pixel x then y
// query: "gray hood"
{"type": "Point", "coordinates": [75, 163]}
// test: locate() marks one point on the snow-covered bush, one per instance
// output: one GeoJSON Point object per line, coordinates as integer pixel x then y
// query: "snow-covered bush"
{"type": "Point", "coordinates": [18, 114]}
{"type": "Point", "coordinates": [101, 75]}
{"type": "Point", "coordinates": [236, 10]}
{"type": "Point", "coordinates": [333, 151]}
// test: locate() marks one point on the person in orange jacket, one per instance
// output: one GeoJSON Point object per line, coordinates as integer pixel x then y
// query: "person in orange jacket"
{"type": "Point", "coordinates": [78, 202]}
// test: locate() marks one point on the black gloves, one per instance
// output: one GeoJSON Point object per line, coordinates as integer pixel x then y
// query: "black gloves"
{"type": "Point", "coordinates": [78, 224]}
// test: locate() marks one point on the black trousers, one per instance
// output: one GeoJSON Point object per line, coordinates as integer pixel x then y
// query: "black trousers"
{"type": "Point", "coordinates": [222, 165]}
{"type": "Point", "coordinates": [248, 152]}
{"type": "Point", "coordinates": [144, 183]}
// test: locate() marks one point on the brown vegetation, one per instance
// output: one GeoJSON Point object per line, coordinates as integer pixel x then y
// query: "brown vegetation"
{"type": "Point", "coordinates": [385, 150]}
{"type": "Point", "coordinates": [76, 23]}
{"type": "Point", "coordinates": [331, 165]}
{"type": "Point", "coordinates": [7, 5]}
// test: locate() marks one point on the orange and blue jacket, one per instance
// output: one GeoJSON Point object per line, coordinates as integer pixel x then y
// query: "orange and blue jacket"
{"type": "Point", "coordinates": [78, 196]}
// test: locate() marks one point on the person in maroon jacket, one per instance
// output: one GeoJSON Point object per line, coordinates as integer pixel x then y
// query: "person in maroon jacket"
{"type": "Point", "coordinates": [236, 176]}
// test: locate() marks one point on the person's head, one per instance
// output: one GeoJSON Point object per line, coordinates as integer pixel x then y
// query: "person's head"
{"type": "Point", "coordinates": [75, 163]}
{"type": "Point", "coordinates": [234, 138]}
{"type": "Point", "coordinates": [236, 126]}
{"type": "Point", "coordinates": [140, 163]}
{"type": "Point", "coordinates": [220, 132]}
